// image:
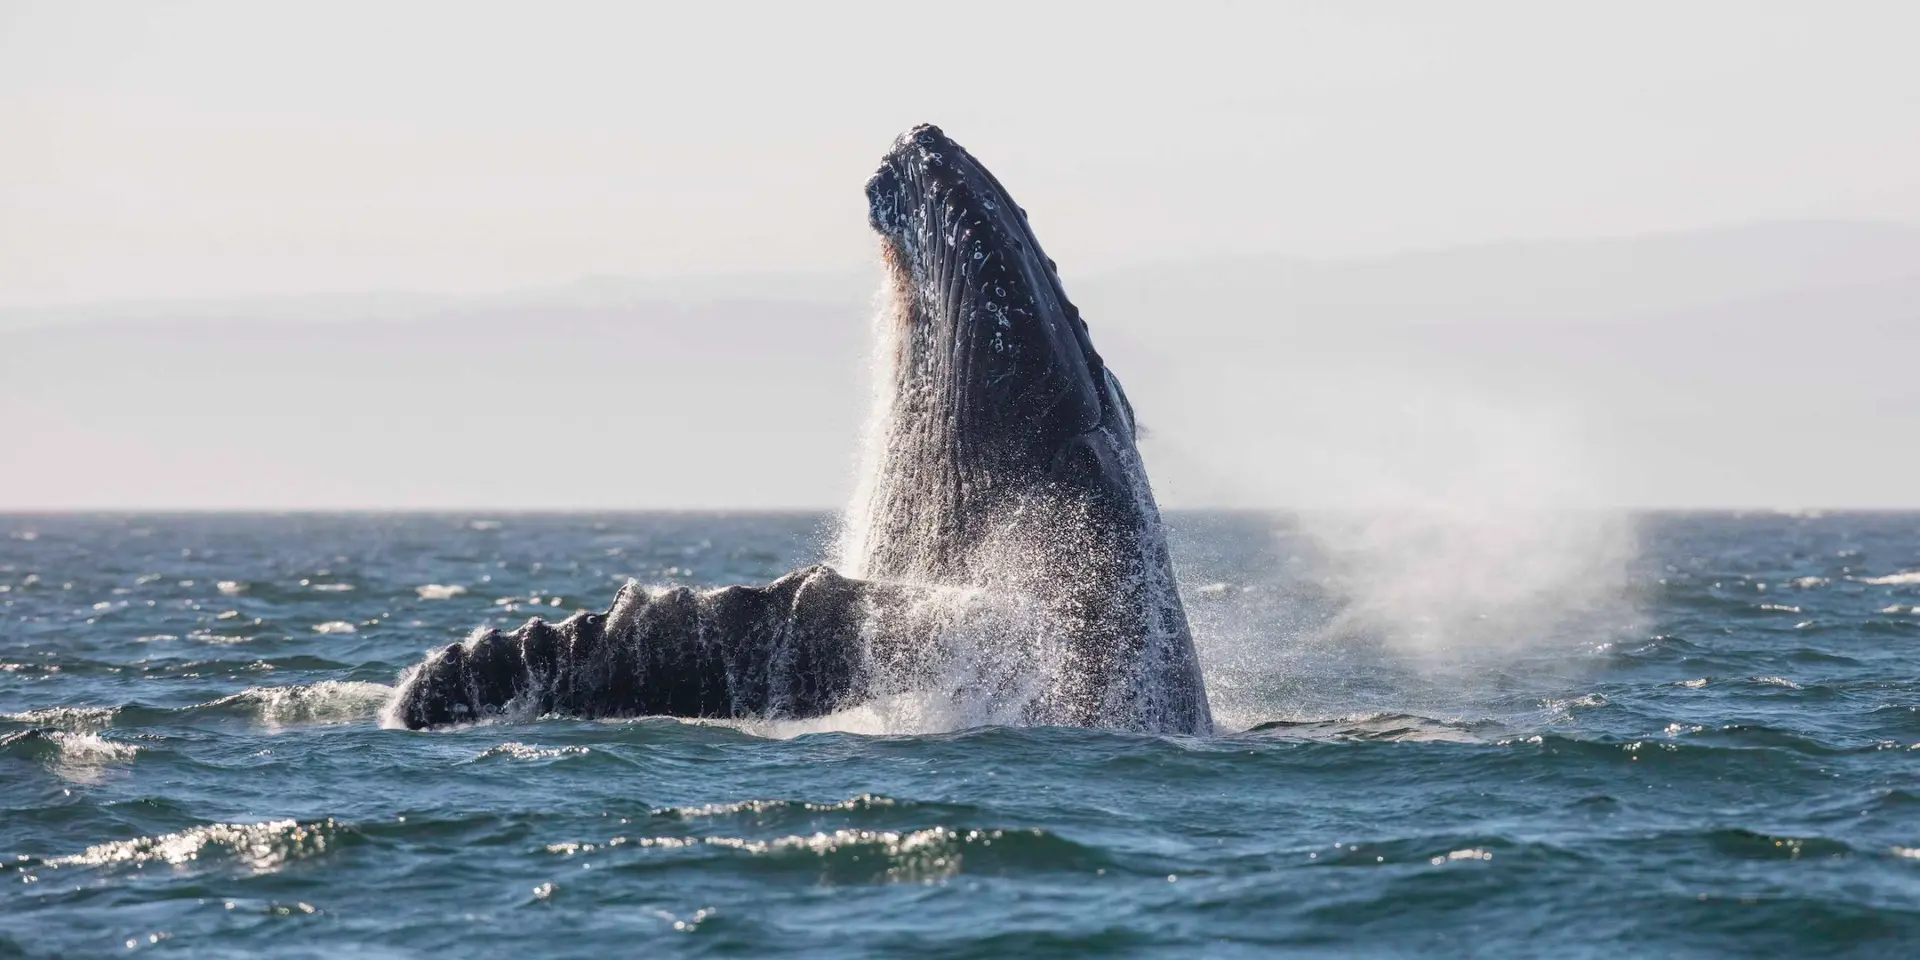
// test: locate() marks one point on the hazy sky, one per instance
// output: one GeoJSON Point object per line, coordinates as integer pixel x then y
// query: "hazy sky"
{"type": "Point", "coordinates": [1172, 157]}
{"type": "Point", "coordinates": [162, 150]}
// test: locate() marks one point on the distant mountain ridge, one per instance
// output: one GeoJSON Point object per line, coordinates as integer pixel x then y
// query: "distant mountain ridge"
{"type": "Point", "coordinates": [1692, 267]}
{"type": "Point", "coordinates": [1599, 278]}
{"type": "Point", "coordinates": [1750, 366]}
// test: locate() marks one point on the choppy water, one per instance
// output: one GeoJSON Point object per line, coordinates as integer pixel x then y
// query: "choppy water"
{"type": "Point", "coordinates": [1722, 758]}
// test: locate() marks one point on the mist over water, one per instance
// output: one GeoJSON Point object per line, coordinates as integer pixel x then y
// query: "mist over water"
{"type": "Point", "coordinates": [1482, 537]}
{"type": "Point", "coordinates": [1454, 533]}
{"type": "Point", "coordinates": [1456, 529]}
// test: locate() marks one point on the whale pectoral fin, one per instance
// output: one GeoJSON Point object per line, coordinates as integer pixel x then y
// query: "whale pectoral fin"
{"type": "Point", "coordinates": [676, 671]}
{"type": "Point", "coordinates": [435, 692]}
{"type": "Point", "coordinates": [824, 661]}
{"type": "Point", "coordinates": [794, 647]}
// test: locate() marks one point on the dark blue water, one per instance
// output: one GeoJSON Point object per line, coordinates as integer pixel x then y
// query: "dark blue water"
{"type": "Point", "coordinates": [1717, 755]}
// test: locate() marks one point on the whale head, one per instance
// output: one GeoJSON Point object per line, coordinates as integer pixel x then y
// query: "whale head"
{"type": "Point", "coordinates": [1006, 456]}
{"type": "Point", "coordinates": [997, 390]}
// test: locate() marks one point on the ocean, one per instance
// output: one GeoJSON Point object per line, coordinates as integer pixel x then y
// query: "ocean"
{"type": "Point", "coordinates": [1673, 735]}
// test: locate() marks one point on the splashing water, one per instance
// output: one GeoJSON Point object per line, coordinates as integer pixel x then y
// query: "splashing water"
{"type": "Point", "coordinates": [1006, 585]}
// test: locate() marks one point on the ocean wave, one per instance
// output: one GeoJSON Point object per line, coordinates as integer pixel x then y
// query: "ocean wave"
{"type": "Point", "coordinates": [77, 757]}
{"type": "Point", "coordinates": [863, 802]}
{"type": "Point", "coordinates": [900, 714]}
{"type": "Point", "coordinates": [1693, 750]}
{"type": "Point", "coordinates": [1816, 655]}
{"type": "Point", "coordinates": [521, 751]}
{"type": "Point", "coordinates": [1685, 745]}
{"type": "Point", "coordinates": [1394, 727]}
{"type": "Point", "coordinates": [262, 847]}
{"type": "Point", "coordinates": [1753, 845]}
{"type": "Point", "coordinates": [66, 718]}
{"type": "Point", "coordinates": [67, 747]}
{"type": "Point", "coordinates": [854, 856]}
{"type": "Point", "coordinates": [867, 810]}
{"type": "Point", "coordinates": [194, 667]}
{"type": "Point", "coordinates": [1906, 578]}
{"type": "Point", "coordinates": [1436, 851]}
{"type": "Point", "coordinates": [325, 702]}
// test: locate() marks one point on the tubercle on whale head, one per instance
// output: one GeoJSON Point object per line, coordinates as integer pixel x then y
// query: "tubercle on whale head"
{"type": "Point", "coordinates": [987, 324]}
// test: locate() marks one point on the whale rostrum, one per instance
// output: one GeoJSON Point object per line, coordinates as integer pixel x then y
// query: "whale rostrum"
{"type": "Point", "coordinates": [1004, 548]}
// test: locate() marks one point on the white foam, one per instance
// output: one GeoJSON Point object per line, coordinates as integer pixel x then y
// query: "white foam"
{"type": "Point", "coordinates": [1904, 579]}
{"type": "Point", "coordinates": [326, 702]}
{"type": "Point", "coordinates": [521, 751]}
{"type": "Point", "coordinates": [440, 591]}
{"type": "Point", "coordinates": [335, 626]}
{"type": "Point", "coordinates": [84, 756]}
{"type": "Point", "coordinates": [89, 748]}
{"type": "Point", "coordinates": [263, 846]}
{"type": "Point", "coordinates": [897, 714]}
{"type": "Point", "coordinates": [865, 801]}
{"type": "Point", "coordinates": [70, 718]}
{"type": "Point", "coordinates": [915, 856]}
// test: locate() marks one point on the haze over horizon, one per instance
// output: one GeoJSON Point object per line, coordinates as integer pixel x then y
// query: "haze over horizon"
{"type": "Point", "coordinates": [1755, 367]}
{"type": "Point", "coordinates": [1471, 258]}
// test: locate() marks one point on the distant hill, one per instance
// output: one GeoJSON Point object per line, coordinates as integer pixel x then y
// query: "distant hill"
{"type": "Point", "coordinates": [1764, 365]}
{"type": "Point", "coordinates": [1754, 366]}
{"type": "Point", "coordinates": [1548, 281]}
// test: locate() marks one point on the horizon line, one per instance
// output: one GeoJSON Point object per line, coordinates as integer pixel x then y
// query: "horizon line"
{"type": "Point", "coordinates": [18, 512]}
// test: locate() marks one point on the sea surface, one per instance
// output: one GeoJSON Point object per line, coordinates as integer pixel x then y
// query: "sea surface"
{"type": "Point", "coordinates": [1691, 735]}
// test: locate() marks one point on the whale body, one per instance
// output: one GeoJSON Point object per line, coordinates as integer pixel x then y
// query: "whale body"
{"type": "Point", "coordinates": [1002, 470]}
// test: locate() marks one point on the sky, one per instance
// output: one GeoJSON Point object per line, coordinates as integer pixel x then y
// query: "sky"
{"type": "Point", "coordinates": [164, 150]}
{"type": "Point", "coordinates": [1464, 256]}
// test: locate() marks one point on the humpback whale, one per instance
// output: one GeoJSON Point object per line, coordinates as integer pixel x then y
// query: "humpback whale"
{"type": "Point", "coordinates": [1003, 494]}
